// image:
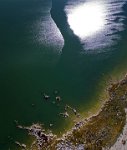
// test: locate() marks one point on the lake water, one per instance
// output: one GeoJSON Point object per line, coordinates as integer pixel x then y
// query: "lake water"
{"type": "Point", "coordinates": [41, 55]}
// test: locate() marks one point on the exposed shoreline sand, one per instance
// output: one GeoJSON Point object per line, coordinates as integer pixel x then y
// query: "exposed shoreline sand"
{"type": "Point", "coordinates": [97, 132]}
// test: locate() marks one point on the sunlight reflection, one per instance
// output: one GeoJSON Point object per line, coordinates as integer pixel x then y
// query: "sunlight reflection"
{"type": "Point", "coordinates": [87, 19]}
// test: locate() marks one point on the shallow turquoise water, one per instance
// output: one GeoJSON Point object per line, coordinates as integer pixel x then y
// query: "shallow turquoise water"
{"type": "Point", "coordinates": [33, 60]}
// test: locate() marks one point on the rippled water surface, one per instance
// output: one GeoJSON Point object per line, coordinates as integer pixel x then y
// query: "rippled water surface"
{"type": "Point", "coordinates": [105, 17]}
{"type": "Point", "coordinates": [42, 52]}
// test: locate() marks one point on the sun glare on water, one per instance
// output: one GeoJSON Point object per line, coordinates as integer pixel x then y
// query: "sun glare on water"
{"type": "Point", "coordinates": [87, 19]}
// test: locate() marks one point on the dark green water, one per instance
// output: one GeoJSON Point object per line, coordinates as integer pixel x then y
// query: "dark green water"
{"type": "Point", "coordinates": [31, 62]}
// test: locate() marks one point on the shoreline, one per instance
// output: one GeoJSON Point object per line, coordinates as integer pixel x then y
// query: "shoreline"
{"type": "Point", "coordinates": [100, 131]}
{"type": "Point", "coordinates": [97, 123]}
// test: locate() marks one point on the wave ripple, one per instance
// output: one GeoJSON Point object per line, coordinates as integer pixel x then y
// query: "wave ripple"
{"type": "Point", "coordinates": [110, 35]}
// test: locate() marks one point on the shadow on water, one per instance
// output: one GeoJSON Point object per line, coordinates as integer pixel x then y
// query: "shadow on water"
{"type": "Point", "coordinates": [71, 41]}
{"type": "Point", "coordinates": [74, 71]}
{"type": "Point", "coordinates": [80, 73]}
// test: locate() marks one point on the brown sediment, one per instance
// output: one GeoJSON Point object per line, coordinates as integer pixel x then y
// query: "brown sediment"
{"type": "Point", "coordinates": [121, 142]}
{"type": "Point", "coordinates": [97, 132]}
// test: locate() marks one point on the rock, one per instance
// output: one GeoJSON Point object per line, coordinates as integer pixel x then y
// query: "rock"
{"type": "Point", "coordinates": [58, 98]}
{"type": "Point", "coordinates": [123, 142]}
{"type": "Point", "coordinates": [65, 114]}
{"type": "Point", "coordinates": [46, 97]}
{"type": "Point", "coordinates": [74, 110]}
{"type": "Point", "coordinates": [50, 124]}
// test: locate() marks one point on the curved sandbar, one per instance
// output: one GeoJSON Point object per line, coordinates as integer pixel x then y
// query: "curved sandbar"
{"type": "Point", "coordinates": [98, 132]}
